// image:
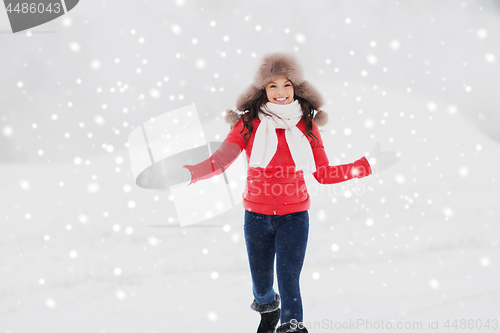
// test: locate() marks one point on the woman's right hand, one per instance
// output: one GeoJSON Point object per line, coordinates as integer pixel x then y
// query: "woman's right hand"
{"type": "Point", "coordinates": [177, 176]}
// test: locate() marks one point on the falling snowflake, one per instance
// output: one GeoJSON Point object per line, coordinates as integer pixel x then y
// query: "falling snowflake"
{"type": "Point", "coordinates": [371, 59]}
{"type": "Point", "coordinates": [485, 261]}
{"type": "Point", "coordinates": [400, 179]}
{"type": "Point", "coordinates": [120, 294]}
{"type": "Point", "coordinates": [431, 106]}
{"type": "Point", "coordinates": [7, 131]}
{"type": "Point", "coordinates": [452, 109]}
{"type": "Point", "coordinates": [82, 218]}
{"type": "Point", "coordinates": [490, 58]}
{"type": "Point", "coordinates": [24, 184]}
{"type": "Point", "coordinates": [212, 316]}
{"type": "Point", "coordinates": [50, 303]}
{"type": "Point", "coordinates": [176, 29]}
{"type": "Point", "coordinates": [154, 93]}
{"type": "Point", "coordinates": [434, 284]}
{"type": "Point", "coordinates": [200, 64]}
{"type": "Point", "coordinates": [75, 47]}
{"type": "Point", "coordinates": [463, 171]}
{"type": "Point", "coordinates": [153, 241]}
{"type": "Point", "coordinates": [93, 188]}
{"type": "Point", "coordinates": [482, 33]}
{"type": "Point", "coordinates": [95, 64]}
{"type": "Point", "coordinates": [300, 38]}
{"type": "Point", "coordinates": [447, 211]}
{"type": "Point", "coordinates": [395, 44]}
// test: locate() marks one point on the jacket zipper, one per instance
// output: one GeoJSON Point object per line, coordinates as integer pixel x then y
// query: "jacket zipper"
{"type": "Point", "coordinates": [279, 164]}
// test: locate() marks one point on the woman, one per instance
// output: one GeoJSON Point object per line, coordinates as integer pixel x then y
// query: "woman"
{"type": "Point", "coordinates": [278, 129]}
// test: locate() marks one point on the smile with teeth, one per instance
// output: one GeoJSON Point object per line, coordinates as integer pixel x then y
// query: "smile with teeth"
{"type": "Point", "coordinates": [281, 99]}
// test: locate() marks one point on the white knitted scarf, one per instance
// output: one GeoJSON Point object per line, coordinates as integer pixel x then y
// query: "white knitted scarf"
{"type": "Point", "coordinates": [266, 141]}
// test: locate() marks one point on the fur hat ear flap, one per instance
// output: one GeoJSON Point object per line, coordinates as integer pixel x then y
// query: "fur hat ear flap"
{"type": "Point", "coordinates": [231, 117]}
{"type": "Point", "coordinates": [248, 97]}
{"type": "Point", "coordinates": [321, 118]}
{"type": "Point", "coordinates": [309, 93]}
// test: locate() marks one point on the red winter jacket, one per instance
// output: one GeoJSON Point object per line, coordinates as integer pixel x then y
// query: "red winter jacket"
{"type": "Point", "coordinates": [277, 189]}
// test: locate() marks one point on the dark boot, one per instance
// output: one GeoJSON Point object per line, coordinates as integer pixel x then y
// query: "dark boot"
{"type": "Point", "coordinates": [291, 327]}
{"type": "Point", "coordinates": [269, 315]}
{"type": "Point", "coordinates": [268, 321]}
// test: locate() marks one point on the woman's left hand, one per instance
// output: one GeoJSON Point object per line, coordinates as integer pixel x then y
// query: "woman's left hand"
{"type": "Point", "coordinates": [381, 160]}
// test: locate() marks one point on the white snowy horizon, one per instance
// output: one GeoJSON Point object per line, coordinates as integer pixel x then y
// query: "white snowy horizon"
{"type": "Point", "coordinates": [83, 249]}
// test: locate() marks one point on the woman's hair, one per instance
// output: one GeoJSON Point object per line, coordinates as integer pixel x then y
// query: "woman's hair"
{"type": "Point", "coordinates": [253, 108]}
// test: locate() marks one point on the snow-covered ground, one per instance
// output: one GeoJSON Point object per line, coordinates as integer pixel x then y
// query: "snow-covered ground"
{"type": "Point", "coordinates": [420, 243]}
{"type": "Point", "coordinates": [83, 249]}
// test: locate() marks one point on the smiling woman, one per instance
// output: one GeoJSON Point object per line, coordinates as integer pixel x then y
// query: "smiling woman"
{"type": "Point", "coordinates": [280, 91]}
{"type": "Point", "coordinates": [279, 131]}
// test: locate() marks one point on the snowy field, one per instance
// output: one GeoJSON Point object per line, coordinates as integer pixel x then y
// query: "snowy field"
{"type": "Point", "coordinates": [83, 249]}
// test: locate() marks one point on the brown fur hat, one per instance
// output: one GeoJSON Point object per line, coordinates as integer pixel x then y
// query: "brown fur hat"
{"type": "Point", "coordinates": [272, 66]}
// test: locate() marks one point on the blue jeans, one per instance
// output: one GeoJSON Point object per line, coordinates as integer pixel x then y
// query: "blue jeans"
{"type": "Point", "coordinates": [286, 237]}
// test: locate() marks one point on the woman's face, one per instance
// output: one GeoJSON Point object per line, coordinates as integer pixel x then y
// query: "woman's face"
{"type": "Point", "coordinates": [280, 91]}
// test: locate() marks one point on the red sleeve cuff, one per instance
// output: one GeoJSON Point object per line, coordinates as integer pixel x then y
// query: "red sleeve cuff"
{"type": "Point", "coordinates": [364, 168]}
{"type": "Point", "coordinates": [191, 171]}
{"type": "Point", "coordinates": [367, 165]}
